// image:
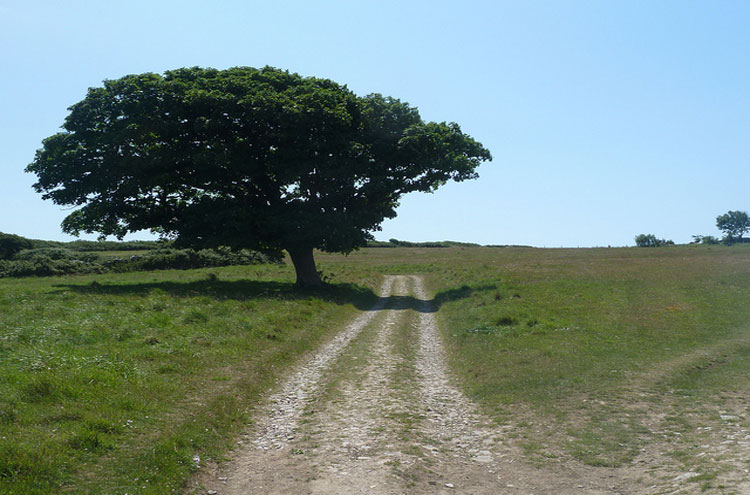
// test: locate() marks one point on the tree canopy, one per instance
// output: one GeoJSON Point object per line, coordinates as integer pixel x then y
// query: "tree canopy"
{"type": "Point", "coordinates": [246, 158]}
{"type": "Point", "coordinates": [733, 224]}
{"type": "Point", "coordinates": [650, 240]}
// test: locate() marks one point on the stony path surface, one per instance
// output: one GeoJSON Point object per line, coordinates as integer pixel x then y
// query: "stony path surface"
{"type": "Point", "coordinates": [375, 412]}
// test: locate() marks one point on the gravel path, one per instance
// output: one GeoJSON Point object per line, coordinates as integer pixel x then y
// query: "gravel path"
{"type": "Point", "coordinates": [286, 406]}
{"type": "Point", "coordinates": [375, 412]}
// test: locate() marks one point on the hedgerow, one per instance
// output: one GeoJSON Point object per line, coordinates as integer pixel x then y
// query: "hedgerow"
{"type": "Point", "coordinates": [59, 261]}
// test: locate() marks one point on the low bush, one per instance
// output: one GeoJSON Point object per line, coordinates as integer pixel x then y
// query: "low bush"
{"type": "Point", "coordinates": [54, 253]}
{"type": "Point", "coordinates": [10, 244]}
{"type": "Point", "coordinates": [391, 243]}
{"type": "Point", "coordinates": [59, 261]}
{"type": "Point", "coordinates": [705, 239]}
{"type": "Point", "coordinates": [185, 259]}
{"type": "Point", "coordinates": [41, 266]}
{"type": "Point", "coordinates": [82, 245]}
{"type": "Point", "coordinates": [650, 240]}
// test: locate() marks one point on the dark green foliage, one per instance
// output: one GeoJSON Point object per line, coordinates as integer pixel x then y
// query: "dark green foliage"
{"type": "Point", "coordinates": [705, 239]}
{"type": "Point", "coordinates": [115, 245]}
{"type": "Point", "coordinates": [650, 240]}
{"type": "Point", "coordinates": [54, 254]}
{"type": "Point", "coordinates": [43, 266]}
{"type": "Point", "coordinates": [506, 321]}
{"type": "Point", "coordinates": [50, 261]}
{"type": "Point", "coordinates": [433, 244]}
{"type": "Point", "coordinates": [646, 240]}
{"type": "Point", "coordinates": [184, 259]}
{"type": "Point", "coordinates": [397, 243]}
{"type": "Point", "coordinates": [57, 261]}
{"type": "Point", "coordinates": [10, 244]}
{"type": "Point", "coordinates": [733, 224]}
{"type": "Point", "coordinates": [83, 246]}
{"type": "Point", "coordinates": [248, 158]}
{"type": "Point", "coordinates": [709, 239]}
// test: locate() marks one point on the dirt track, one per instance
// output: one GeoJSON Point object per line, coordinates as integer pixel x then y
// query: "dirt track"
{"type": "Point", "coordinates": [374, 412]}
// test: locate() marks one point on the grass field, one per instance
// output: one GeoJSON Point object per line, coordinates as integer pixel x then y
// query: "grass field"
{"type": "Point", "coordinates": [115, 383]}
{"type": "Point", "coordinates": [124, 383]}
{"type": "Point", "coordinates": [600, 355]}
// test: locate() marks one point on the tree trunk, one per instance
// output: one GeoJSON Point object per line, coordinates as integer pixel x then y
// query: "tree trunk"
{"type": "Point", "coordinates": [304, 265]}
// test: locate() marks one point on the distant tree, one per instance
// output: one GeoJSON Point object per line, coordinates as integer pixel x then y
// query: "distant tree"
{"type": "Point", "coordinates": [650, 240]}
{"type": "Point", "coordinates": [245, 158]}
{"type": "Point", "coordinates": [646, 240]}
{"type": "Point", "coordinates": [733, 224]}
{"type": "Point", "coordinates": [704, 239]}
{"type": "Point", "coordinates": [709, 239]}
{"type": "Point", "coordinates": [11, 244]}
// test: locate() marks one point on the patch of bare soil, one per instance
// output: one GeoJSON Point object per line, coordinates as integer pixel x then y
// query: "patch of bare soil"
{"type": "Point", "coordinates": [363, 416]}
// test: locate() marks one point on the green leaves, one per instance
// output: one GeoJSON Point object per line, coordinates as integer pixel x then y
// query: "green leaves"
{"type": "Point", "coordinates": [244, 157]}
{"type": "Point", "coordinates": [733, 224]}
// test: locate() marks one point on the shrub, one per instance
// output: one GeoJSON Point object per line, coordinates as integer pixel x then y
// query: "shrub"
{"type": "Point", "coordinates": [705, 239]}
{"type": "Point", "coordinates": [185, 259]}
{"type": "Point", "coordinates": [43, 266]}
{"type": "Point", "coordinates": [59, 261]}
{"type": "Point", "coordinates": [55, 253]}
{"type": "Point", "coordinates": [82, 245]}
{"type": "Point", "coordinates": [10, 244]}
{"type": "Point", "coordinates": [650, 240]}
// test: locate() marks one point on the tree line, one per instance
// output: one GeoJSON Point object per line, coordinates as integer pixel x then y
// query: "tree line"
{"type": "Point", "coordinates": [734, 224]}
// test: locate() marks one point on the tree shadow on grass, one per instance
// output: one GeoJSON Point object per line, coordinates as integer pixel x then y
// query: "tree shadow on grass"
{"type": "Point", "coordinates": [363, 298]}
{"type": "Point", "coordinates": [434, 304]}
{"type": "Point", "coordinates": [239, 290]}
{"type": "Point", "coordinates": [462, 292]}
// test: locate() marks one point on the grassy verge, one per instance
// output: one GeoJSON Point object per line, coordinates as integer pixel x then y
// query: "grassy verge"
{"type": "Point", "coordinates": [126, 383]}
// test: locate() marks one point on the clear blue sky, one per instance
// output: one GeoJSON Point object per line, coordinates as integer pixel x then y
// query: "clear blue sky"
{"type": "Point", "coordinates": [606, 119]}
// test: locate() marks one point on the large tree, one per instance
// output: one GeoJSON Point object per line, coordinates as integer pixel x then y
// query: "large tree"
{"type": "Point", "coordinates": [245, 158]}
{"type": "Point", "coordinates": [733, 224]}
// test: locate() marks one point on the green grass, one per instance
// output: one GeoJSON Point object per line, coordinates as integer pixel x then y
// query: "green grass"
{"type": "Point", "coordinates": [114, 383]}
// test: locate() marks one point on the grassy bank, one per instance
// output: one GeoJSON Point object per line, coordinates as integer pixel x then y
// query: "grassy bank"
{"type": "Point", "coordinates": [125, 383]}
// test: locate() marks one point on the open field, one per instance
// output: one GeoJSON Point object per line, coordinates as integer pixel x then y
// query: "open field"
{"type": "Point", "coordinates": [628, 360]}
{"type": "Point", "coordinates": [113, 383]}
{"type": "Point", "coordinates": [608, 357]}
